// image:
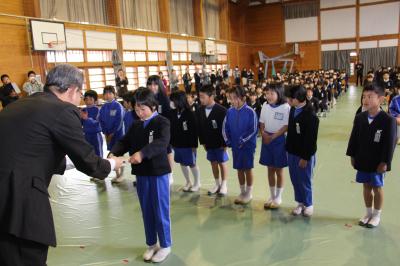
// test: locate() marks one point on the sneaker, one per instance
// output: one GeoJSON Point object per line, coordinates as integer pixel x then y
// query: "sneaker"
{"type": "Point", "coordinates": [187, 187]}
{"type": "Point", "coordinates": [239, 199]}
{"type": "Point", "coordinates": [195, 188]}
{"type": "Point", "coordinates": [267, 205]}
{"type": "Point", "coordinates": [276, 203]}
{"type": "Point", "coordinates": [374, 221]}
{"type": "Point", "coordinates": [161, 255]}
{"type": "Point", "coordinates": [308, 211]}
{"type": "Point", "coordinates": [149, 253]}
{"type": "Point", "coordinates": [298, 210]}
{"type": "Point", "coordinates": [117, 180]}
{"type": "Point", "coordinates": [223, 190]}
{"type": "Point", "coordinates": [247, 198]}
{"type": "Point", "coordinates": [364, 220]}
{"type": "Point", "coordinates": [214, 190]}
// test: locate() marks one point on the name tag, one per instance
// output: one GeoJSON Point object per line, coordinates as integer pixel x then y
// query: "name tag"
{"type": "Point", "coordinates": [151, 137]}
{"type": "Point", "coordinates": [278, 116]}
{"type": "Point", "coordinates": [214, 124]}
{"type": "Point", "coordinates": [113, 112]}
{"type": "Point", "coordinates": [377, 137]}
{"type": "Point", "coordinates": [297, 128]}
{"type": "Point", "coordinates": [185, 127]}
{"type": "Point", "coordinates": [160, 109]}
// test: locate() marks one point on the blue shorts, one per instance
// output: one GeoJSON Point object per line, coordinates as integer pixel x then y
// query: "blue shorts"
{"type": "Point", "coordinates": [243, 159]}
{"type": "Point", "coordinates": [218, 155]}
{"type": "Point", "coordinates": [185, 156]}
{"type": "Point", "coordinates": [374, 179]}
{"type": "Point", "coordinates": [274, 154]}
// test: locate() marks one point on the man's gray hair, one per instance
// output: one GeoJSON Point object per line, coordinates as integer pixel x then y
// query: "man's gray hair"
{"type": "Point", "coordinates": [62, 77]}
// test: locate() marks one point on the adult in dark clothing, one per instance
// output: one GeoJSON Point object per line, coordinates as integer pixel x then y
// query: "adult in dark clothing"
{"type": "Point", "coordinates": [359, 70]}
{"type": "Point", "coordinates": [36, 134]}
{"type": "Point", "coordinates": [197, 81]}
{"type": "Point", "coordinates": [121, 83]}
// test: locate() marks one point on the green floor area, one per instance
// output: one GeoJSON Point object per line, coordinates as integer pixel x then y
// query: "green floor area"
{"type": "Point", "coordinates": [101, 224]}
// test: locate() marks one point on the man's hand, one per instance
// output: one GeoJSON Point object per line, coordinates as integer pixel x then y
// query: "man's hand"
{"type": "Point", "coordinates": [303, 163]}
{"type": "Point", "coordinates": [136, 158]}
{"type": "Point", "coordinates": [382, 167]}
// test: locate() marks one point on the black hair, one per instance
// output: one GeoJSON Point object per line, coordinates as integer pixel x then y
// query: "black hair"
{"type": "Point", "coordinates": [4, 76]}
{"type": "Point", "coordinates": [239, 91]}
{"type": "Point", "coordinates": [109, 88]}
{"type": "Point", "coordinates": [31, 72]}
{"type": "Point", "coordinates": [208, 89]}
{"type": "Point", "coordinates": [144, 96]}
{"type": "Point", "coordinates": [374, 87]}
{"type": "Point", "coordinates": [278, 88]}
{"type": "Point", "coordinates": [180, 101]}
{"type": "Point", "coordinates": [92, 94]}
{"type": "Point", "coordinates": [129, 97]}
{"type": "Point", "coordinates": [157, 80]}
{"type": "Point", "coordinates": [297, 92]}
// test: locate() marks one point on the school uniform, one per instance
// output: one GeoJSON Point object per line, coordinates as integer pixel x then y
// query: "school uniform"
{"type": "Point", "coordinates": [394, 110]}
{"type": "Point", "coordinates": [111, 118]}
{"type": "Point", "coordinates": [372, 141]}
{"type": "Point", "coordinates": [322, 96]}
{"type": "Point", "coordinates": [122, 86]}
{"type": "Point", "coordinates": [314, 103]}
{"type": "Point", "coordinates": [129, 117]}
{"type": "Point", "coordinates": [184, 137]}
{"type": "Point", "coordinates": [92, 129]}
{"type": "Point", "coordinates": [301, 143]}
{"type": "Point", "coordinates": [210, 121]}
{"type": "Point", "coordinates": [256, 107]}
{"type": "Point", "coordinates": [274, 117]}
{"type": "Point", "coordinates": [163, 109]}
{"type": "Point", "coordinates": [151, 138]}
{"type": "Point", "coordinates": [239, 130]}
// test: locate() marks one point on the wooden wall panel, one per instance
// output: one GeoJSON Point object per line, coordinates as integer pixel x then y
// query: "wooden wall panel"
{"type": "Point", "coordinates": [264, 24]}
{"type": "Point", "coordinates": [311, 58]}
{"type": "Point", "coordinates": [14, 7]}
{"type": "Point", "coordinates": [236, 22]}
{"type": "Point", "coordinates": [14, 53]}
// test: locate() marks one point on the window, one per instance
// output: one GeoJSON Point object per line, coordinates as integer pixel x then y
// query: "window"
{"type": "Point", "coordinates": [181, 57]}
{"type": "Point", "coordinates": [63, 57]}
{"type": "Point", "coordinates": [175, 56]}
{"type": "Point", "coordinates": [110, 76]}
{"type": "Point", "coordinates": [156, 56]}
{"type": "Point", "coordinates": [99, 56]}
{"type": "Point", "coordinates": [353, 53]}
{"type": "Point", "coordinates": [222, 58]}
{"type": "Point", "coordinates": [96, 79]}
{"type": "Point", "coordinates": [84, 79]}
{"type": "Point", "coordinates": [142, 76]}
{"type": "Point", "coordinates": [131, 56]}
{"type": "Point", "coordinates": [192, 70]}
{"type": "Point", "coordinates": [153, 70]}
{"type": "Point", "coordinates": [132, 75]}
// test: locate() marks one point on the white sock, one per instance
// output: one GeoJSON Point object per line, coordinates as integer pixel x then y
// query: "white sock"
{"type": "Point", "coordinates": [223, 183]}
{"type": "Point", "coordinates": [273, 192]}
{"type": "Point", "coordinates": [185, 171]}
{"type": "Point", "coordinates": [242, 189]}
{"type": "Point", "coordinates": [217, 182]}
{"type": "Point", "coordinates": [249, 189]}
{"type": "Point", "coordinates": [278, 194]}
{"type": "Point", "coordinates": [369, 212]}
{"type": "Point", "coordinates": [196, 174]}
{"type": "Point", "coordinates": [377, 213]}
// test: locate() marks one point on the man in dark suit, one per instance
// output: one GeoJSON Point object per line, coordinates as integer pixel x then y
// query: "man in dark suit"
{"type": "Point", "coordinates": [359, 71]}
{"type": "Point", "coordinates": [36, 134]}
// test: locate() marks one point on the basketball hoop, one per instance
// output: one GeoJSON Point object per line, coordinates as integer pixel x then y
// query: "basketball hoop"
{"type": "Point", "coordinates": [54, 44]}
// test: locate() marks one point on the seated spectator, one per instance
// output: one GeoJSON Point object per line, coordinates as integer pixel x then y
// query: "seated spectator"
{"type": "Point", "coordinates": [32, 85]}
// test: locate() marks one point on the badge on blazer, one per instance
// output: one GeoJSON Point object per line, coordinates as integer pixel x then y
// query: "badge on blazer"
{"type": "Point", "coordinates": [377, 137]}
{"type": "Point", "coordinates": [151, 137]}
{"type": "Point", "coordinates": [185, 127]}
{"type": "Point", "coordinates": [297, 128]}
{"type": "Point", "coordinates": [160, 109]}
{"type": "Point", "coordinates": [214, 124]}
{"type": "Point", "coordinates": [278, 116]}
{"type": "Point", "coordinates": [113, 112]}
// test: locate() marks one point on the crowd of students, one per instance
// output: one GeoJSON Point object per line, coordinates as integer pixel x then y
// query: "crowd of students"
{"type": "Point", "coordinates": [157, 130]}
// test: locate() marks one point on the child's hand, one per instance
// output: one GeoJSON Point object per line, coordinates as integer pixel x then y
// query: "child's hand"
{"type": "Point", "coordinates": [266, 138]}
{"type": "Point", "coordinates": [382, 167]}
{"type": "Point", "coordinates": [84, 115]}
{"type": "Point", "coordinates": [303, 163]}
{"type": "Point", "coordinates": [136, 158]}
{"type": "Point", "coordinates": [108, 138]}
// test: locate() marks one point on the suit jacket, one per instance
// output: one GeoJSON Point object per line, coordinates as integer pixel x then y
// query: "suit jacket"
{"type": "Point", "coordinates": [36, 134]}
